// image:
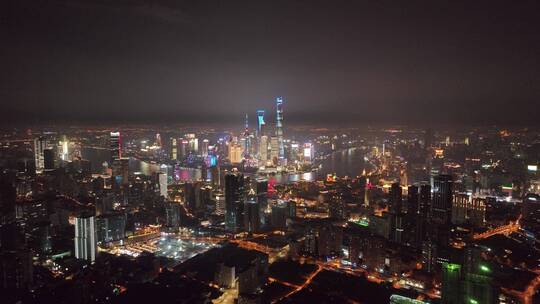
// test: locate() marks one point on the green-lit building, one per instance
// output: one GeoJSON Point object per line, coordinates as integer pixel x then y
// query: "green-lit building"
{"type": "Point", "coordinates": [470, 283]}
{"type": "Point", "coordinates": [451, 284]}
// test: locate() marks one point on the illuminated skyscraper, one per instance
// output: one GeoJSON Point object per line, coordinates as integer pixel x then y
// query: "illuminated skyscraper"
{"type": "Point", "coordinates": [235, 153]}
{"type": "Point", "coordinates": [424, 203]}
{"type": "Point", "coordinates": [234, 200]}
{"type": "Point", "coordinates": [64, 149]}
{"type": "Point", "coordinates": [251, 213]}
{"type": "Point", "coordinates": [40, 144]}
{"type": "Point", "coordinates": [262, 198]}
{"type": "Point", "coordinates": [183, 148]}
{"type": "Point", "coordinates": [162, 179]}
{"type": "Point", "coordinates": [263, 149]}
{"type": "Point", "coordinates": [441, 210]}
{"type": "Point", "coordinates": [308, 153]}
{"type": "Point", "coordinates": [478, 283]}
{"type": "Point", "coordinates": [247, 137]}
{"type": "Point", "coordinates": [115, 146]}
{"type": "Point", "coordinates": [412, 201]}
{"type": "Point", "coordinates": [451, 283]}
{"type": "Point", "coordinates": [204, 147]}
{"type": "Point", "coordinates": [85, 238]}
{"type": "Point", "coordinates": [158, 140]}
{"type": "Point", "coordinates": [172, 216]}
{"type": "Point", "coordinates": [193, 143]}
{"type": "Point", "coordinates": [111, 227]}
{"type": "Point", "coordinates": [294, 154]}
{"type": "Point", "coordinates": [274, 149]}
{"type": "Point", "coordinates": [174, 149]}
{"type": "Point", "coordinates": [279, 128]}
{"type": "Point", "coordinates": [260, 123]}
{"type": "Point", "coordinates": [441, 205]}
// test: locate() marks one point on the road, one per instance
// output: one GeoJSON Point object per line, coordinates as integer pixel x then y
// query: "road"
{"type": "Point", "coordinates": [297, 288]}
{"type": "Point", "coordinates": [506, 230]}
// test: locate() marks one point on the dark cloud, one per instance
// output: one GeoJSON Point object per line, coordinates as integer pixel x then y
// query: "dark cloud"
{"type": "Point", "coordinates": [153, 9]}
{"type": "Point", "coordinates": [333, 61]}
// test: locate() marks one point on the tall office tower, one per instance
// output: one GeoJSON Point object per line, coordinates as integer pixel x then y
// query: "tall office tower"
{"type": "Point", "coordinates": [441, 203]}
{"type": "Point", "coordinates": [174, 149]}
{"type": "Point", "coordinates": [459, 208]}
{"type": "Point", "coordinates": [441, 210]}
{"type": "Point", "coordinates": [396, 198]}
{"type": "Point", "coordinates": [183, 148]}
{"type": "Point", "coordinates": [274, 150]}
{"type": "Point", "coordinates": [262, 198]}
{"type": "Point", "coordinates": [291, 207]}
{"type": "Point", "coordinates": [111, 227]}
{"type": "Point", "coordinates": [260, 123]}
{"type": "Point", "coordinates": [414, 217]}
{"type": "Point", "coordinates": [204, 147]}
{"type": "Point", "coordinates": [235, 153]}
{"type": "Point", "coordinates": [308, 153]}
{"type": "Point", "coordinates": [162, 180]}
{"type": "Point", "coordinates": [451, 283]}
{"type": "Point", "coordinates": [220, 204]}
{"type": "Point", "coordinates": [424, 201]}
{"type": "Point", "coordinates": [336, 206]}
{"type": "Point", "coordinates": [85, 238]}
{"type": "Point", "coordinates": [396, 206]}
{"type": "Point", "coordinates": [246, 138]}
{"type": "Point", "coordinates": [120, 171]}
{"type": "Point", "coordinates": [251, 213]}
{"type": "Point", "coordinates": [115, 146]}
{"type": "Point", "coordinates": [194, 197]}
{"type": "Point", "coordinates": [40, 144]}
{"type": "Point", "coordinates": [172, 217]}
{"type": "Point", "coordinates": [279, 128]}
{"type": "Point", "coordinates": [530, 209]}
{"type": "Point", "coordinates": [294, 154]}
{"type": "Point", "coordinates": [429, 256]}
{"type": "Point", "coordinates": [263, 149]}
{"type": "Point", "coordinates": [478, 284]}
{"type": "Point", "coordinates": [359, 184]}
{"type": "Point", "coordinates": [412, 201]}
{"type": "Point", "coordinates": [158, 140]}
{"type": "Point", "coordinates": [48, 159]}
{"type": "Point", "coordinates": [476, 211]}
{"type": "Point", "coordinates": [234, 200]}
{"type": "Point", "coordinates": [16, 270]}
{"type": "Point", "coordinates": [215, 171]}
{"type": "Point", "coordinates": [64, 149]}
{"type": "Point", "coordinates": [193, 143]}
{"type": "Point", "coordinates": [278, 218]}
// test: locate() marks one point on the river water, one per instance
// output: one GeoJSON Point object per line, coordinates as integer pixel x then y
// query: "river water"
{"type": "Point", "coordinates": [348, 162]}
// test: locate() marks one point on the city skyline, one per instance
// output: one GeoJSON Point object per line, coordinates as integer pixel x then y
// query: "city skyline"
{"type": "Point", "coordinates": [269, 152]}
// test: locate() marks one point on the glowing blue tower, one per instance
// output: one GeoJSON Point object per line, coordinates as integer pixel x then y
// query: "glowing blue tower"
{"type": "Point", "coordinates": [260, 123]}
{"type": "Point", "coordinates": [279, 127]}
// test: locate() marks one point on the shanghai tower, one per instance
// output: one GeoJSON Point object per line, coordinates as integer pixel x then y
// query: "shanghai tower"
{"type": "Point", "coordinates": [279, 128]}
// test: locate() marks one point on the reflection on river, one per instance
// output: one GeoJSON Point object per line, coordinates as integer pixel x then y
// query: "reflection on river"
{"type": "Point", "coordinates": [175, 172]}
{"type": "Point", "coordinates": [348, 162]}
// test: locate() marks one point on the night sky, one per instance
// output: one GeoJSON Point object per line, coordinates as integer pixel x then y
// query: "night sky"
{"type": "Point", "coordinates": [334, 62]}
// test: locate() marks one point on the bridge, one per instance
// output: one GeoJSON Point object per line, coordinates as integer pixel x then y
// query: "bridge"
{"type": "Point", "coordinates": [505, 229]}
